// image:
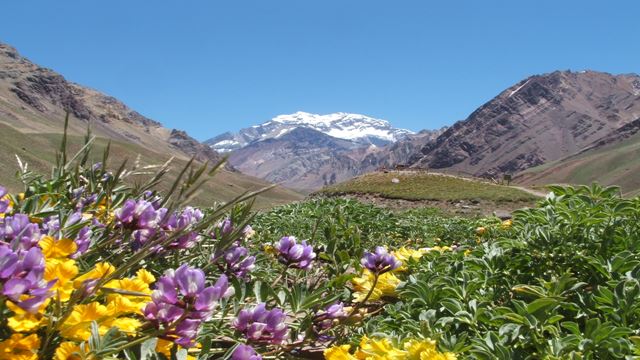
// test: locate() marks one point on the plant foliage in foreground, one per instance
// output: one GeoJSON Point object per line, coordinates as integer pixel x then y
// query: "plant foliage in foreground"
{"type": "Point", "coordinates": [91, 268]}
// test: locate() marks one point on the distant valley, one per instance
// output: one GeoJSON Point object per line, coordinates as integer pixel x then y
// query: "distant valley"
{"type": "Point", "coordinates": [560, 127]}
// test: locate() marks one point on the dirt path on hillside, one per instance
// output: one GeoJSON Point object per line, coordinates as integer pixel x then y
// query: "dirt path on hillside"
{"type": "Point", "coordinates": [530, 191]}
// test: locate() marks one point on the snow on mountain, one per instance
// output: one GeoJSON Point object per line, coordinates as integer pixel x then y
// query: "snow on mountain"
{"type": "Point", "coordinates": [362, 130]}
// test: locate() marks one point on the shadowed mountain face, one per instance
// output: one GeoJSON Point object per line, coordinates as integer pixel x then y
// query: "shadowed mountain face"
{"type": "Point", "coordinates": [307, 159]}
{"type": "Point", "coordinates": [34, 99]}
{"type": "Point", "coordinates": [308, 151]}
{"type": "Point", "coordinates": [541, 119]}
{"type": "Point", "coordinates": [303, 158]}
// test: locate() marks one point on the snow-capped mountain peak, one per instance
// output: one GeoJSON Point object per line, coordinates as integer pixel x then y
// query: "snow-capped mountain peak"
{"type": "Point", "coordinates": [362, 130]}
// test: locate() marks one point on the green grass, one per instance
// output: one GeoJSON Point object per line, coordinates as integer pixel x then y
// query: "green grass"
{"type": "Point", "coordinates": [38, 150]}
{"type": "Point", "coordinates": [425, 186]}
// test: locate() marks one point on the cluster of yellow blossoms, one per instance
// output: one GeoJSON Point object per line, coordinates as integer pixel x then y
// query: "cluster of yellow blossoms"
{"type": "Point", "coordinates": [388, 282]}
{"type": "Point", "coordinates": [120, 306]}
{"type": "Point", "coordinates": [383, 349]}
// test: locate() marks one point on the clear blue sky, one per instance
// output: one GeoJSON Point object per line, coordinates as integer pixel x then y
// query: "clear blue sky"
{"type": "Point", "coordinates": [212, 66]}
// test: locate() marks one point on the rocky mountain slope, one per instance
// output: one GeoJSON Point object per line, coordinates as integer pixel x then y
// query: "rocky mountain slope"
{"type": "Point", "coordinates": [33, 104]}
{"type": "Point", "coordinates": [34, 99]}
{"type": "Point", "coordinates": [541, 119]}
{"type": "Point", "coordinates": [307, 151]}
{"type": "Point", "coordinates": [303, 159]}
{"type": "Point", "coordinates": [611, 160]}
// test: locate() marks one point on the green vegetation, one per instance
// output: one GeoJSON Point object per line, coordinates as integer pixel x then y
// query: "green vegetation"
{"type": "Point", "coordinates": [561, 282]}
{"type": "Point", "coordinates": [427, 186]}
{"type": "Point", "coordinates": [108, 268]}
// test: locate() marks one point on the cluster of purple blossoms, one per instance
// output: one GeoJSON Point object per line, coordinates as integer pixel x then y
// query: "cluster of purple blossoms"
{"type": "Point", "coordinates": [147, 219]}
{"type": "Point", "coordinates": [81, 199]}
{"type": "Point", "coordinates": [380, 261]}
{"type": "Point", "coordinates": [299, 256]}
{"type": "Point", "coordinates": [330, 316]}
{"type": "Point", "coordinates": [181, 302]}
{"type": "Point", "coordinates": [141, 214]}
{"type": "Point", "coordinates": [236, 261]}
{"type": "Point", "coordinates": [82, 240]}
{"type": "Point", "coordinates": [188, 217]}
{"type": "Point", "coordinates": [19, 231]}
{"type": "Point", "coordinates": [245, 352]}
{"type": "Point", "coordinates": [21, 275]}
{"type": "Point", "coordinates": [262, 325]}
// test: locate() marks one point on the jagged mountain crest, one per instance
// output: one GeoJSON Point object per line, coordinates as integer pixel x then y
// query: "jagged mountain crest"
{"type": "Point", "coordinates": [357, 128]}
{"type": "Point", "coordinates": [540, 119]}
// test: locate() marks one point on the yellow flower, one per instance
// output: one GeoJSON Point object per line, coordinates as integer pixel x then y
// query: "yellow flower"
{"type": "Point", "coordinates": [124, 324]}
{"type": "Point", "coordinates": [385, 287]}
{"type": "Point", "coordinates": [164, 347]}
{"type": "Point", "coordinates": [467, 252]}
{"type": "Point", "coordinates": [99, 271]}
{"type": "Point", "coordinates": [404, 254]}
{"type": "Point", "coordinates": [425, 350]}
{"type": "Point", "coordinates": [23, 321]}
{"type": "Point", "coordinates": [339, 353]}
{"type": "Point", "coordinates": [20, 347]}
{"type": "Point", "coordinates": [131, 295]}
{"type": "Point", "coordinates": [68, 351]}
{"type": "Point", "coordinates": [506, 224]}
{"type": "Point", "coordinates": [78, 324]}
{"type": "Point", "coordinates": [145, 276]}
{"type": "Point", "coordinates": [103, 214]}
{"type": "Point", "coordinates": [270, 249]}
{"type": "Point", "coordinates": [56, 249]}
{"type": "Point", "coordinates": [63, 271]}
{"type": "Point", "coordinates": [10, 207]}
{"type": "Point", "coordinates": [382, 349]}
{"type": "Point", "coordinates": [481, 230]}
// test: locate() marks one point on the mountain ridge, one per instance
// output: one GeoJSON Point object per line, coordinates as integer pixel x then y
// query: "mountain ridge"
{"type": "Point", "coordinates": [360, 129]}
{"type": "Point", "coordinates": [540, 119]}
{"type": "Point", "coordinates": [35, 100]}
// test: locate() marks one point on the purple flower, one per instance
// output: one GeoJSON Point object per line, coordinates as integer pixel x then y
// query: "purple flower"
{"type": "Point", "coordinates": [226, 227]}
{"type": "Point", "coordinates": [5, 204]}
{"type": "Point", "coordinates": [262, 325]}
{"type": "Point", "coordinates": [245, 352]}
{"type": "Point", "coordinates": [19, 231]}
{"type": "Point", "coordinates": [299, 256]}
{"type": "Point", "coordinates": [76, 194]}
{"type": "Point", "coordinates": [380, 261]}
{"type": "Point", "coordinates": [186, 331]}
{"type": "Point", "coordinates": [8, 262]}
{"type": "Point", "coordinates": [21, 276]}
{"type": "Point", "coordinates": [190, 280]}
{"type": "Point", "coordinates": [330, 316]}
{"type": "Point", "coordinates": [139, 214]}
{"type": "Point", "coordinates": [237, 261]}
{"type": "Point", "coordinates": [83, 240]}
{"type": "Point", "coordinates": [180, 302]}
{"type": "Point", "coordinates": [188, 217]}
